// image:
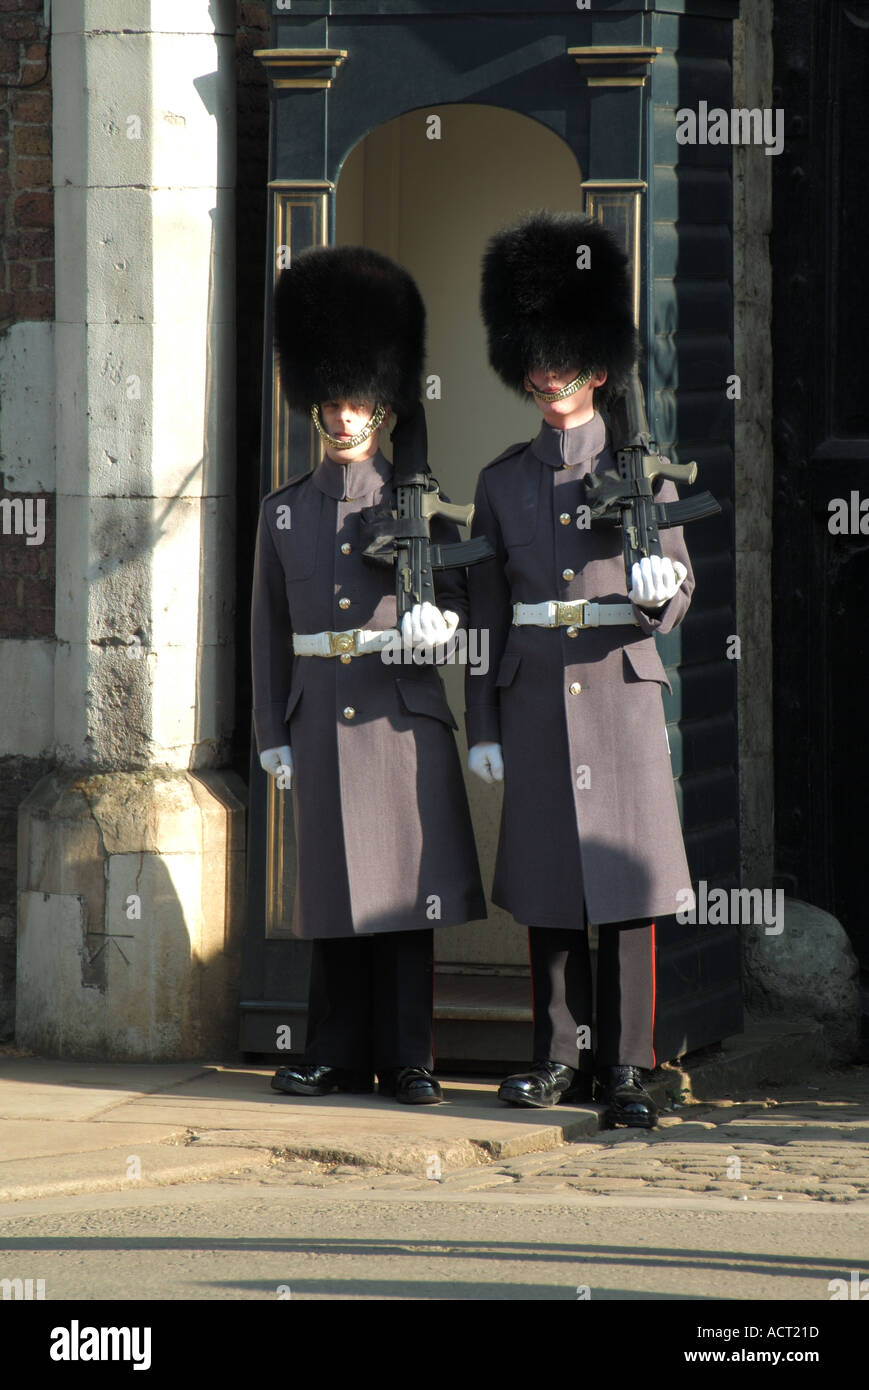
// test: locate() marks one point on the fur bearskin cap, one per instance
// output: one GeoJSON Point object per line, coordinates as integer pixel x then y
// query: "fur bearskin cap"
{"type": "Point", "coordinates": [349, 324]}
{"type": "Point", "coordinates": [541, 310]}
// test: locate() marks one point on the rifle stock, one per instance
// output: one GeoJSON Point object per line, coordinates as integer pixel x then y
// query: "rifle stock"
{"type": "Point", "coordinates": [460, 512]}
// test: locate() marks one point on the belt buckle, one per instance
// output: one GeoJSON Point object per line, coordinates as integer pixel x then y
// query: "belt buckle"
{"type": "Point", "coordinates": [571, 614]}
{"type": "Point", "coordinates": [343, 643]}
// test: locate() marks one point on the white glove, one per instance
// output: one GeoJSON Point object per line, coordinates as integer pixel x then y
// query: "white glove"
{"type": "Point", "coordinates": [654, 580]}
{"type": "Point", "coordinates": [426, 627]}
{"type": "Point", "coordinates": [278, 763]}
{"type": "Point", "coordinates": [486, 761]}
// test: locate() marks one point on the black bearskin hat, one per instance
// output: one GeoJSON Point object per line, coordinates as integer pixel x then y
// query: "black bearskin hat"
{"type": "Point", "coordinates": [349, 325]}
{"type": "Point", "coordinates": [541, 310]}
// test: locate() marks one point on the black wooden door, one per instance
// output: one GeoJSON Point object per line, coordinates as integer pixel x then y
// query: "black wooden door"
{"type": "Point", "coordinates": [821, 536]}
{"type": "Point", "coordinates": [339, 70]}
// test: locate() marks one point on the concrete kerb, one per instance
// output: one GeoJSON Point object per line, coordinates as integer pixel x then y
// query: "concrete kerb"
{"type": "Point", "coordinates": [418, 1155]}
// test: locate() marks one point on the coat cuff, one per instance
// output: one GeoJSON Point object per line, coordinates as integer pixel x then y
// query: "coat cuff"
{"type": "Point", "coordinates": [270, 727]}
{"type": "Point", "coordinates": [662, 619]}
{"type": "Point", "coordinates": [650, 621]}
{"type": "Point", "coordinates": [483, 725]}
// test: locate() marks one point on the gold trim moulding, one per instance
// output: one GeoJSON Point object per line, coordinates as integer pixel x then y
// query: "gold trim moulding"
{"type": "Point", "coordinates": [615, 53]}
{"type": "Point", "coordinates": [314, 185]}
{"type": "Point", "coordinates": [279, 62]}
{"type": "Point", "coordinates": [613, 185]}
{"type": "Point", "coordinates": [616, 81]}
{"type": "Point", "coordinates": [279, 83]}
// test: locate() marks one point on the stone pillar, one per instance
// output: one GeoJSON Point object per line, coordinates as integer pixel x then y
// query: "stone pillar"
{"type": "Point", "coordinates": [131, 853]}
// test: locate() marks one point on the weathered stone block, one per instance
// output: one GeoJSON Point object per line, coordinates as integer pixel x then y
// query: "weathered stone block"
{"type": "Point", "coordinates": [807, 971]}
{"type": "Point", "coordinates": [131, 915]}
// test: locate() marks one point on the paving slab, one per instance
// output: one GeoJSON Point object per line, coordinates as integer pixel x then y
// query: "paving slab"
{"type": "Point", "coordinates": [21, 1139]}
{"type": "Point", "coordinates": [106, 1170]}
{"type": "Point", "coordinates": [36, 1088]}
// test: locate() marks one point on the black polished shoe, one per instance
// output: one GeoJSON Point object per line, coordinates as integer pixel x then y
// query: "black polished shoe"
{"type": "Point", "coordinates": [620, 1090]}
{"type": "Point", "coordinates": [321, 1081]}
{"type": "Point", "coordinates": [413, 1085]}
{"type": "Point", "coordinates": [543, 1084]}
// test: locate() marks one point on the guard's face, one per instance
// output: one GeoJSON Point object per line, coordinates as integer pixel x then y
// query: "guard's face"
{"type": "Point", "coordinates": [344, 419]}
{"type": "Point", "coordinates": [572, 410]}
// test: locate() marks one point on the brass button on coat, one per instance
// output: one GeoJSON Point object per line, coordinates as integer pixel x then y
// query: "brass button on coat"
{"type": "Point", "coordinates": [343, 603]}
{"type": "Point", "coordinates": [568, 574]}
{"type": "Point", "coordinates": [573, 632]}
{"type": "Point", "coordinates": [345, 660]}
{"type": "Point", "coordinates": [346, 548]}
{"type": "Point", "coordinates": [565, 518]}
{"type": "Point", "coordinates": [575, 688]}
{"type": "Point", "coordinates": [349, 712]}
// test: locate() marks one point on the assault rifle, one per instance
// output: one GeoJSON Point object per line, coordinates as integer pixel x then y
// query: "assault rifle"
{"type": "Point", "coordinates": [626, 497]}
{"type": "Point", "coordinates": [402, 537]}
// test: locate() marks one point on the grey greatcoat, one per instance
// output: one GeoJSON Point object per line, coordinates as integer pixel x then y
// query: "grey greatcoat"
{"type": "Point", "coordinates": [382, 823]}
{"type": "Point", "coordinates": [589, 806]}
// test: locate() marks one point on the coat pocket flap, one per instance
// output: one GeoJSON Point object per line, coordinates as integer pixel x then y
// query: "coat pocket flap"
{"type": "Point", "coordinates": [645, 663]}
{"type": "Point", "coordinates": [425, 699]}
{"type": "Point", "coordinates": [507, 669]}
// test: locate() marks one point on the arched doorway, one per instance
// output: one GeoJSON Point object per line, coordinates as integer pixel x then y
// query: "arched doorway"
{"type": "Point", "coordinates": [428, 189]}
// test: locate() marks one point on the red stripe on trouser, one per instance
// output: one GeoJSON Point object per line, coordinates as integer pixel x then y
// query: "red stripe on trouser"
{"type": "Point", "coordinates": [654, 1058]}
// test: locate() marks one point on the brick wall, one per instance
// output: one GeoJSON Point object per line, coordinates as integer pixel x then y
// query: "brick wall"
{"type": "Point", "coordinates": [26, 570]}
{"type": "Point", "coordinates": [26, 276]}
{"type": "Point", "coordinates": [26, 295]}
{"type": "Point", "coordinates": [26, 200]}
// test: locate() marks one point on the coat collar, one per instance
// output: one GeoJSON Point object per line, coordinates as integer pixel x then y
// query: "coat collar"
{"type": "Point", "coordinates": [577, 448]}
{"type": "Point", "coordinates": [348, 482]}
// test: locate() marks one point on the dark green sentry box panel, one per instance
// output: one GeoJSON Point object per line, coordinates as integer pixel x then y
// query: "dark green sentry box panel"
{"type": "Point", "coordinates": [421, 53]}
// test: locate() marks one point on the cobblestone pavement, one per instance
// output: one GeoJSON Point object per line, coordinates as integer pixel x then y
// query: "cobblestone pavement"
{"type": "Point", "coordinates": [808, 1142]}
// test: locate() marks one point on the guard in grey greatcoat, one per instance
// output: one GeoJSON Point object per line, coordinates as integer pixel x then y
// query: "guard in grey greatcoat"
{"type": "Point", "coordinates": [365, 740]}
{"type": "Point", "coordinates": [570, 713]}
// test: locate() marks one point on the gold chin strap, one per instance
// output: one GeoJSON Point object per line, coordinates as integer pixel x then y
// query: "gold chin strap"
{"type": "Point", "coordinates": [572, 386]}
{"type": "Point", "coordinates": [373, 424]}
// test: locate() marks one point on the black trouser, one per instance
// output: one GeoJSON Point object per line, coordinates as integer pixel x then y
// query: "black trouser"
{"type": "Point", "coordinates": [561, 992]}
{"type": "Point", "coordinates": [370, 1001]}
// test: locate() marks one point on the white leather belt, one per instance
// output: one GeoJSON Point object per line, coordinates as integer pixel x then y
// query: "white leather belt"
{"type": "Point", "coordinates": [581, 612]}
{"type": "Point", "coordinates": [357, 641]}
